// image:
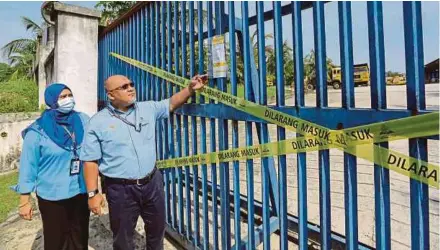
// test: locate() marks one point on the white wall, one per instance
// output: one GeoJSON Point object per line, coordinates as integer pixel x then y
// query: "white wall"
{"type": "Point", "coordinates": [76, 58]}
{"type": "Point", "coordinates": [11, 126]}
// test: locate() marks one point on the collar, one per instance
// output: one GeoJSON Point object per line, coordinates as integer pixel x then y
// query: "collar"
{"type": "Point", "coordinates": [131, 109]}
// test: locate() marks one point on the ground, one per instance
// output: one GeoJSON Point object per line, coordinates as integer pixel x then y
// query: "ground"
{"type": "Point", "coordinates": [18, 234]}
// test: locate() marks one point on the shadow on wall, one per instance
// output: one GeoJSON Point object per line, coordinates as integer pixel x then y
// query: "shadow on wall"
{"type": "Point", "coordinates": [11, 160]}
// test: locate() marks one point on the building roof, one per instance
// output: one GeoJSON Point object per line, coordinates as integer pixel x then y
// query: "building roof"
{"type": "Point", "coordinates": [432, 65]}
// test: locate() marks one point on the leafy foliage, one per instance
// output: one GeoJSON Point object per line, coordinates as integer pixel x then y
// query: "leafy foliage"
{"type": "Point", "coordinates": [393, 74]}
{"type": "Point", "coordinates": [5, 72]}
{"type": "Point", "coordinates": [18, 96]}
{"type": "Point", "coordinates": [111, 10]}
{"type": "Point", "coordinates": [21, 53]}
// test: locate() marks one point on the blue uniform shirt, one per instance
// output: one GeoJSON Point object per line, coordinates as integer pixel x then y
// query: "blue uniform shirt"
{"type": "Point", "coordinates": [122, 150]}
{"type": "Point", "coordinates": [45, 167]}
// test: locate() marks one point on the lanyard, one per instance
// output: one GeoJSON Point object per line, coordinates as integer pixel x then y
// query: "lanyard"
{"type": "Point", "coordinates": [125, 120]}
{"type": "Point", "coordinates": [72, 136]}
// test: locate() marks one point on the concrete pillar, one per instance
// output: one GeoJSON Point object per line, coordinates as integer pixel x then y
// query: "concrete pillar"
{"type": "Point", "coordinates": [45, 62]}
{"type": "Point", "coordinates": [76, 53]}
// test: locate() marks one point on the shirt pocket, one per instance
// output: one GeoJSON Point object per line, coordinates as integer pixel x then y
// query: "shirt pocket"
{"type": "Point", "coordinates": [115, 136]}
{"type": "Point", "coordinates": [147, 130]}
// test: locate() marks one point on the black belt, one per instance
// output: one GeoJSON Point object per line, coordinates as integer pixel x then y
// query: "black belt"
{"type": "Point", "coordinates": [139, 182]}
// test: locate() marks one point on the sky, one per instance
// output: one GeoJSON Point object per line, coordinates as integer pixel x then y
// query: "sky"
{"type": "Point", "coordinates": [12, 28]}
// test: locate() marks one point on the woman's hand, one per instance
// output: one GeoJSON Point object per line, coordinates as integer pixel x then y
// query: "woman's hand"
{"type": "Point", "coordinates": [25, 211]}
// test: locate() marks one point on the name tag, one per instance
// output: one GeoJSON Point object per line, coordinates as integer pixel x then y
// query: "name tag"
{"type": "Point", "coordinates": [74, 167]}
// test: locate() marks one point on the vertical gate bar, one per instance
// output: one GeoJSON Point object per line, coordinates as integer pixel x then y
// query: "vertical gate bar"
{"type": "Point", "coordinates": [379, 101]}
{"type": "Point", "coordinates": [249, 162]}
{"type": "Point", "coordinates": [321, 101]}
{"type": "Point", "coordinates": [203, 145]}
{"type": "Point", "coordinates": [223, 143]}
{"type": "Point", "coordinates": [101, 97]}
{"type": "Point", "coordinates": [136, 53]}
{"type": "Point", "coordinates": [281, 132]}
{"type": "Point", "coordinates": [147, 48]}
{"type": "Point", "coordinates": [105, 62]}
{"type": "Point", "coordinates": [142, 48]}
{"type": "Point", "coordinates": [110, 46]}
{"type": "Point", "coordinates": [213, 146]}
{"type": "Point", "coordinates": [120, 47]}
{"type": "Point", "coordinates": [157, 48]}
{"type": "Point", "coordinates": [262, 100]}
{"type": "Point", "coordinates": [158, 79]}
{"type": "Point", "coordinates": [415, 89]}
{"type": "Point", "coordinates": [172, 172]}
{"type": "Point", "coordinates": [100, 56]}
{"type": "Point", "coordinates": [117, 50]}
{"type": "Point", "coordinates": [192, 70]}
{"type": "Point", "coordinates": [127, 45]}
{"type": "Point", "coordinates": [178, 120]}
{"type": "Point", "coordinates": [324, 156]}
{"type": "Point", "coordinates": [166, 172]}
{"type": "Point", "coordinates": [153, 53]}
{"type": "Point", "coordinates": [101, 69]}
{"type": "Point", "coordinates": [235, 136]}
{"type": "Point", "coordinates": [125, 48]}
{"type": "Point", "coordinates": [131, 47]}
{"type": "Point", "coordinates": [112, 49]}
{"type": "Point", "coordinates": [186, 126]}
{"type": "Point", "coordinates": [348, 102]}
{"type": "Point", "coordinates": [164, 123]}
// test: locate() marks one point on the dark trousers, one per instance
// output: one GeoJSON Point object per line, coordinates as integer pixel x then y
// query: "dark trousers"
{"type": "Point", "coordinates": [65, 223]}
{"type": "Point", "coordinates": [129, 201]}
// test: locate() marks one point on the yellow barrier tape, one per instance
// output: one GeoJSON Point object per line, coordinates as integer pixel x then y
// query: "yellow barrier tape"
{"type": "Point", "coordinates": [349, 140]}
{"type": "Point", "coordinates": [408, 166]}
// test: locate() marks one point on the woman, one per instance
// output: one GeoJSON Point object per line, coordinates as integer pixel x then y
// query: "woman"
{"type": "Point", "coordinates": [49, 166]}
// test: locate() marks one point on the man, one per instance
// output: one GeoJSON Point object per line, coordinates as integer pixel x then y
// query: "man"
{"type": "Point", "coordinates": [120, 144]}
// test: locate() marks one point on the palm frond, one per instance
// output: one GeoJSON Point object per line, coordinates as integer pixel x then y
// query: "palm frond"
{"type": "Point", "coordinates": [32, 26]}
{"type": "Point", "coordinates": [17, 45]}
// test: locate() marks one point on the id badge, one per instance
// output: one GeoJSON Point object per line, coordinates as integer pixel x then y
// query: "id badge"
{"type": "Point", "coordinates": [74, 167]}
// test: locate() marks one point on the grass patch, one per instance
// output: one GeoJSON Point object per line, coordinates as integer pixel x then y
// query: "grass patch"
{"type": "Point", "coordinates": [8, 198]}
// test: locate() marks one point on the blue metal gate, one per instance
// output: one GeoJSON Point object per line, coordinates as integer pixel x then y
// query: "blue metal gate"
{"type": "Point", "coordinates": [205, 204]}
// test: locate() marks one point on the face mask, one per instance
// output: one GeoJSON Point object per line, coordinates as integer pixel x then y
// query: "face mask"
{"type": "Point", "coordinates": [66, 105]}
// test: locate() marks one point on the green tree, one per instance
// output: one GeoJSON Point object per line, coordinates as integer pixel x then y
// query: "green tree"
{"type": "Point", "coordinates": [5, 72]}
{"type": "Point", "coordinates": [111, 10]}
{"type": "Point", "coordinates": [310, 68]}
{"type": "Point", "coordinates": [393, 74]}
{"type": "Point", "coordinates": [21, 53]}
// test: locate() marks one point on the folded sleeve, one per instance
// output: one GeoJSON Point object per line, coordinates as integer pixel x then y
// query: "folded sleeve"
{"type": "Point", "coordinates": [162, 109]}
{"type": "Point", "coordinates": [29, 160]}
{"type": "Point", "coordinates": [91, 146]}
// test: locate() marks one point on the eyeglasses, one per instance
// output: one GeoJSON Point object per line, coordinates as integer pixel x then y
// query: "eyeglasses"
{"type": "Point", "coordinates": [124, 87]}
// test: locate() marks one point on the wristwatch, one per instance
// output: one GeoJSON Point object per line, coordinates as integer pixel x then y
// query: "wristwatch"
{"type": "Point", "coordinates": [92, 194]}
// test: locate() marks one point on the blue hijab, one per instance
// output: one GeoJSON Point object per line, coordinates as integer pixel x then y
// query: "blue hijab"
{"type": "Point", "coordinates": [52, 121]}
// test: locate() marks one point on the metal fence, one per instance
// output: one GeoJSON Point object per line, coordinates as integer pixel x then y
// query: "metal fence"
{"type": "Point", "coordinates": [245, 204]}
